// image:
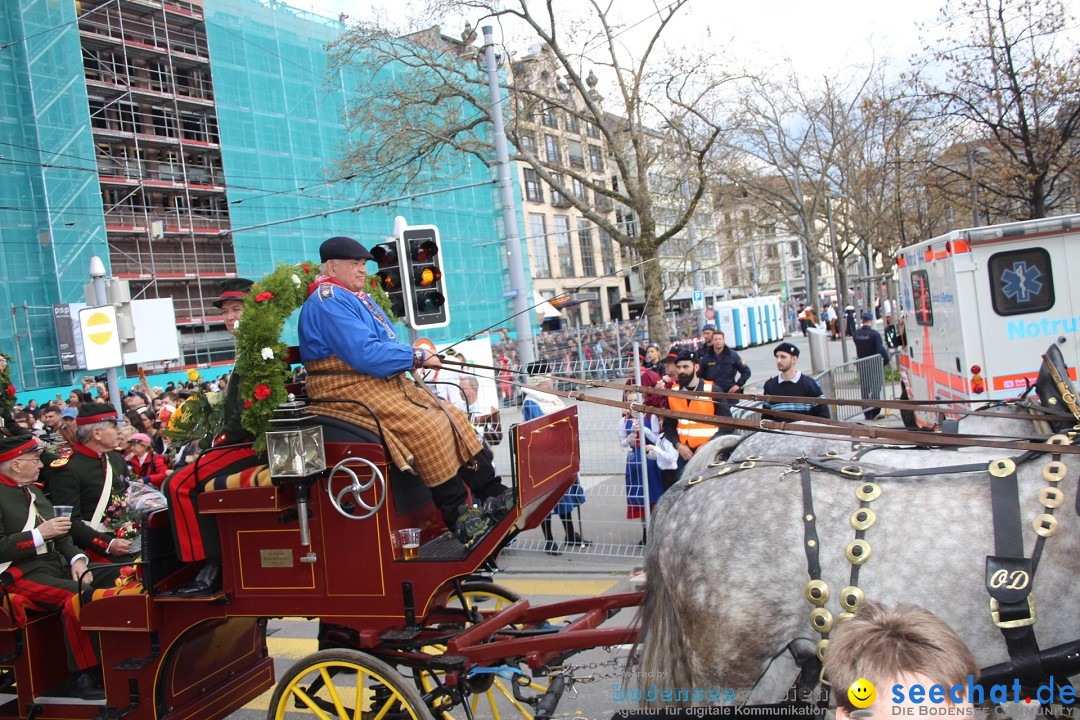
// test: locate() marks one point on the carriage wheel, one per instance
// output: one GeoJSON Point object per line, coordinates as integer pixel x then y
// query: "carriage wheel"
{"type": "Point", "coordinates": [493, 695]}
{"type": "Point", "coordinates": [345, 685]}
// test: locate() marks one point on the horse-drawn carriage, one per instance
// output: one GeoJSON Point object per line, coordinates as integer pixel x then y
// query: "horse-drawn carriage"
{"type": "Point", "coordinates": [399, 638]}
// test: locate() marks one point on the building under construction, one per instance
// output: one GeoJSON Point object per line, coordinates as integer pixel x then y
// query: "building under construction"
{"type": "Point", "coordinates": [180, 141]}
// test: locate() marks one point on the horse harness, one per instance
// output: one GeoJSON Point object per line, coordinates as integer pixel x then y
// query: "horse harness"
{"type": "Point", "coordinates": [1009, 575]}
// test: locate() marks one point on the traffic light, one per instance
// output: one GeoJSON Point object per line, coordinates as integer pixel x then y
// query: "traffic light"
{"type": "Point", "coordinates": [388, 257]}
{"type": "Point", "coordinates": [426, 288]}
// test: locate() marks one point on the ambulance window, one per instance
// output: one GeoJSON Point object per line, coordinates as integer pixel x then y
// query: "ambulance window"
{"type": "Point", "coordinates": [1021, 281]}
{"type": "Point", "coordinates": [920, 290]}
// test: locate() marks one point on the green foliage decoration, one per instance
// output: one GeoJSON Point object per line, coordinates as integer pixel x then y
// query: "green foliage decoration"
{"type": "Point", "coordinates": [261, 356]}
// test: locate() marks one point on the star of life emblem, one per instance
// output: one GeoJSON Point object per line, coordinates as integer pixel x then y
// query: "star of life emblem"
{"type": "Point", "coordinates": [1022, 282]}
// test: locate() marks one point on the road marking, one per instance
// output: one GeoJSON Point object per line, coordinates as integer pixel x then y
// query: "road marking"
{"type": "Point", "coordinates": [286, 650]}
{"type": "Point", "coordinates": [575, 588]}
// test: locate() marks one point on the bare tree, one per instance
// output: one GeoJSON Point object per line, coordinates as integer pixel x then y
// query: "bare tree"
{"type": "Point", "coordinates": [1008, 104]}
{"type": "Point", "coordinates": [789, 133]}
{"type": "Point", "coordinates": [427, 106]}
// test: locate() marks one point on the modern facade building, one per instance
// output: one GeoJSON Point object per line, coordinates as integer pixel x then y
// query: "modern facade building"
{"type": "Point", "coordinates": [184, 142]}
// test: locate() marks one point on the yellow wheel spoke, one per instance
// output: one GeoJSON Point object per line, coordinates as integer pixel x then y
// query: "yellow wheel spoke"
{"type": "Point", "coordinates": [307, 700]}
{"type": "Point", "coordinates": [359, 711]}
{"type": "Point", "coordinates": [328, 681]}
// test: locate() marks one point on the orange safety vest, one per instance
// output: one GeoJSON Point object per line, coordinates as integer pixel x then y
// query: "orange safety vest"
{"type": "Point", "coordinates": [692, 433]}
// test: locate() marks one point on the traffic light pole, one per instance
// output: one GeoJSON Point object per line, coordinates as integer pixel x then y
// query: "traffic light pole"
{"type": "Point", "coordinates": [515, 258]}
{"type": "Point", "coordinates": [97, 274]}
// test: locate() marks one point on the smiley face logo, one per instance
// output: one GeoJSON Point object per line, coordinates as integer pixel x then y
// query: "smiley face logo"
{"type": "Point", "coordinates": [862, 693]}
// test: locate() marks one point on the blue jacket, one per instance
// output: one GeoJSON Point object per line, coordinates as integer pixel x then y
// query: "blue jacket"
{"type": "Point", "coordinates": [868, 342]}
{"type": "Point", "coordinates": [334, 321]}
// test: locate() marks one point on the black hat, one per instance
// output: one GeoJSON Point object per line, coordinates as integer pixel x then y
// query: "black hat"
{"type": "Point", "coordinates": [90, 413]}
{"type": "Point", "coordinates": [234, 289]}
{"type": "Point", "coordinates": [672, 354]}
{"type": "Point", "coordinates": [343, 248]}
{"type": "Point", "coordinates": [683, 356]}
{"type": "Point", "coordinates": [13, 447]}
{"type": "Point", "coordinates": [786, 347]}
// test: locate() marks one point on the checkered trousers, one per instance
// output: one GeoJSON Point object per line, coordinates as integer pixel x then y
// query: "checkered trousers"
{"type": "Point", "coordinates": [416, 428]}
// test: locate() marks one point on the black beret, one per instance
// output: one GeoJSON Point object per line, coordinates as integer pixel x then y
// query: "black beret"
{"type": "Point", "coordinates": [684, 356]}
{"type": "Point", "coordinates": [786, 347]}
{"type": "Point", "coordinates": [343, 248]}
{"type": "Point", "coordinates": [233, 289]}
{"type": "Point", "coordinates": [90, 413]}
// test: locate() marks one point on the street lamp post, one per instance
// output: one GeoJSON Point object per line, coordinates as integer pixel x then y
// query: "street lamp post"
{"type": "Point", "coordinates": [515, 258]}
{"type": "Point", "coordinates": [101, 297]}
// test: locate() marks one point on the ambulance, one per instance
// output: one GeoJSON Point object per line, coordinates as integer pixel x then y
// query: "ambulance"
{"type": "Point", "coordinates": [979, 307]}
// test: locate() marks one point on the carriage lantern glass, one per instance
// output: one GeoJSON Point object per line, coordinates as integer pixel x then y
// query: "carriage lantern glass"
{"type": "Point", "coordinates": [295, 445]}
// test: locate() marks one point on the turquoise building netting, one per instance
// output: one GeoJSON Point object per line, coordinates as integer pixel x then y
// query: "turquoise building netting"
{"type": "Point", "coordinates": [51, 219]}
{"type": "Point", "coordinates": [280, 114]}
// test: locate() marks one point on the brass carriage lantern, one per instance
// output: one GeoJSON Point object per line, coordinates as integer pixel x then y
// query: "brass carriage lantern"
{"type": "Point", "coordinates": [295, 446]}
{"type": "Point", "coordinates": [297, 455]}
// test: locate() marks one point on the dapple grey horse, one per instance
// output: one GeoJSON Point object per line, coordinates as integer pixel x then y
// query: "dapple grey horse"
{"type": "Point", "coordinates": [725, 598]}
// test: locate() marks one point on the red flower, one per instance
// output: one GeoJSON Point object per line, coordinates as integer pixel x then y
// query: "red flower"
{"type": "Point", "coordinates": [248, 404]}
{"type": "Point", "coordinates": [127, 571]}
{"type": "Point", "coordinates": [11, 391]}
{"type": "Point", "coordinates": [261, 392]}
{"type": "Point", "coordinates": [264, 296]}
{"type": "Point", "coordinates": [306, 268]}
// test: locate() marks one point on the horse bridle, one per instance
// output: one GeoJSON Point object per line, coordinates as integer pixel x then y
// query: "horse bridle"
{"type": "Point", "coordinates": [1009, 575]}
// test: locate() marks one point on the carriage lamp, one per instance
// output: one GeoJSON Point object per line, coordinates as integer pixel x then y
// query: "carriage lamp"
{"type": "Point", "coordinates": [297, 454]}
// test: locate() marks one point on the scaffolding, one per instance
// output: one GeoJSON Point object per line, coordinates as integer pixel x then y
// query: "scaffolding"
{"type": "Point", "coordinates": [158, 153]}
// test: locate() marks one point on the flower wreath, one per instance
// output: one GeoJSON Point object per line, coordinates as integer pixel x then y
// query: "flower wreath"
{"type": "Point", "coordinates": [7, 390]}
{"type": "Point", "coordinates": [260, 353]}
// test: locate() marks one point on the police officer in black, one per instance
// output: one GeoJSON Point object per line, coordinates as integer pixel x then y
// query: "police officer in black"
{"type": "Point", "coordinates": [868, 343]}
{"type": "Point", "coordinates": [725, 369]}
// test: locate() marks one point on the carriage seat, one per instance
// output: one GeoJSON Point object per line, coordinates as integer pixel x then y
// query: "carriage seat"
{"type": "Point", "coordinates": [408, 490]}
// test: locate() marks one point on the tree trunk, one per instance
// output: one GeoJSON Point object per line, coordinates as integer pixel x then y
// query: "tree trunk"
{"type": "Point", "coordinates": [653, 281]}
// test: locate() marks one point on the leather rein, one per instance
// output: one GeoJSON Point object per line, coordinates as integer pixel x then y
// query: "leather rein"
{"type": "Point", "coordinates": [780, 421]}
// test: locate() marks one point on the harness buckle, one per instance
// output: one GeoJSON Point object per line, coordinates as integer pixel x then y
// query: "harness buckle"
{"type": "Point", "coordinates": [995, 613]}
{"type": "Point", "coordinates": [852, 470]}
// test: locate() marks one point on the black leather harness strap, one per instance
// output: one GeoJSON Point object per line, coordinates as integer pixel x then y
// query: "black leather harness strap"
{"type": "Point", "coordinates": [1010, 576]}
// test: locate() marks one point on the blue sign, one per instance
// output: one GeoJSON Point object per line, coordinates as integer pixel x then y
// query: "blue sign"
{"type": "Point", "coordinates": [1021, 283]}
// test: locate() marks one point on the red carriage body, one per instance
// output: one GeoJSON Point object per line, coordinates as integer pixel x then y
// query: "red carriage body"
{"type": "Point", "coordinates": [165, 656]}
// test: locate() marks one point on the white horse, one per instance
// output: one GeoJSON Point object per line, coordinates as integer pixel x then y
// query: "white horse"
{"type": "Point", "coordinates": [725, 604]}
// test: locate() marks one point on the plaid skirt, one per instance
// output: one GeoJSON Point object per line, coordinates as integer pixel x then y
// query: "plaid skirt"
{"type": "Point", "coordinates": [423, 435]}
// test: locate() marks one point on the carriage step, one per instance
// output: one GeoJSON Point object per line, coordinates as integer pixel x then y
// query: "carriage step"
{"type": "Point", "coordinates": [444, 548]}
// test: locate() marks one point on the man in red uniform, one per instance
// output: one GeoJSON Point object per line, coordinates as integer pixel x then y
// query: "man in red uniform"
{"type": "Point", "coordinates": [38, 560]}
{"type": "Point", "coordinates": [196, 535]}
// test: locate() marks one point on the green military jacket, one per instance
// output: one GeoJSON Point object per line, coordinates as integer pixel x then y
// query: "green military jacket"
{"type": "Point", "coordinates": [77, 480]}
{"type": "Point", "coordinates": [17, 545]}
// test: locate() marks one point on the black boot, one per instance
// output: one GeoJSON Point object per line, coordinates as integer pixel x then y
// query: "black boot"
{"type": "Point", "coordinates": [485, 484]}
{"type": "Point", "coordinates": [467, 522]}
{"type": "Point", "coordinates": [207, 582]}
{"type": "Point", "coordinates": [549, 547]}
{"type": "Point", "coordinates": [573, 538]}
{"type": "Point", "coordinates": [87, 685]}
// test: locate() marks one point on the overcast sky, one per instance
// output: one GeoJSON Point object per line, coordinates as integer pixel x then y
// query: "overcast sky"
{"type": "Point", "coordinates": [819, 36]}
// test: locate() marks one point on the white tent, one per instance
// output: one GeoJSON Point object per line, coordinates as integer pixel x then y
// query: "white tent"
{"type": "Point", "coordinates": [544, 309]}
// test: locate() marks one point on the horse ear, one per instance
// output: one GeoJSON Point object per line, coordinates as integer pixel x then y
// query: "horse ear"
{"type": "Point", "coordinates": [1057, 392]}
